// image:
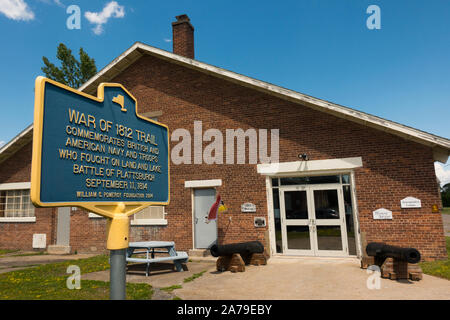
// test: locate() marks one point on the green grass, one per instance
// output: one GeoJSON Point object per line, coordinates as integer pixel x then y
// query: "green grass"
{"type": "Point", "coordinates": [440, 268]}
{"type": "Point", "coordinates": [194, 276]}
{"type": "Point", "coordinates": [171, 288]}
{"type": "Point", "coordinates": [40, 253]}
{"type": "Point", "coordinates": [446, 210]}
{"type": "Point", "coordinates": [6, 251]}
{"type": "Point", "coordinates": [48, 282]}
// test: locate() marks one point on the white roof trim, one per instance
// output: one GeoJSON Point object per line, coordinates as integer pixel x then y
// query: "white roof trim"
{"type": "Point", "coordinates": [16, 138]}
{"type": "Point", "coordinates": [440, 145]}
{"type": "Point", "coordinates": [315, 103]}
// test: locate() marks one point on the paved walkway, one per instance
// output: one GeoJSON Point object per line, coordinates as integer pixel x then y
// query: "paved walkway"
{"type": "Point", "coordinates": [283, 278]}
{"type": "Point", "coordinates": [308, 278]}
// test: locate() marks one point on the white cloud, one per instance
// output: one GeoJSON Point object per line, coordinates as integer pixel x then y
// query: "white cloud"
{"type": "Point", "coordinates": [167, 40]}
{"type": "Point", "coordinates": [442, 172]}
{"type": "Point", "coordinates": [16, 10]}
{"type": "Point", "coordinates": [2, 143]}
{"type": "Point", "coordinates": [58, 2]}
{"type": "Point", "coordinates": [112, 9]}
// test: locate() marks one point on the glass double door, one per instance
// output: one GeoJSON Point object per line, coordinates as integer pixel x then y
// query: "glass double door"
{"type": "Point", "coordinates": [313, 220]}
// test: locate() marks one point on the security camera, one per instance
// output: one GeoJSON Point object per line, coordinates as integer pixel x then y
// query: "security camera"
{"type": "Point", "coordinates": [303, 156]}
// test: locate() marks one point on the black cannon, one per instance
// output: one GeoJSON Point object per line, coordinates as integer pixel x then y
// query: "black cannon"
{"type": "Point", "coordinates": [243, 248]}
{"type": "Point", "coordinates": [383, 251]}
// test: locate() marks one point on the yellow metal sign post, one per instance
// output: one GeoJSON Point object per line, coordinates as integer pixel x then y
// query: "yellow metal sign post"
{"type": "Point", "coordinates": [99, 154]}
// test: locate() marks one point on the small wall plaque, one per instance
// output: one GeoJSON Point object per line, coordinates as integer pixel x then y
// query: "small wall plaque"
{"type": "Point", "coordinates": [411, 202]}
{"type": "Point", "coordinates": [382, 214]}
{"type": "Point", "coordinates": [248, 207]}
{"type": "Point", "coordinates": [260, 222]}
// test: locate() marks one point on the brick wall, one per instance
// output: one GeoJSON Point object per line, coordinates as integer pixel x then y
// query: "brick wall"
{"type": "Point", "coordinates": [87, 234]}
{"type": "Point", "coordinates": [393, 168]}
{"type": "Point", "coordinates": [20, 235]}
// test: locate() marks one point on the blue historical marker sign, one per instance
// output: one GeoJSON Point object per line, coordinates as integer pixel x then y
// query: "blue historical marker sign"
{"type": "Point", "coordinates": [96, 150]}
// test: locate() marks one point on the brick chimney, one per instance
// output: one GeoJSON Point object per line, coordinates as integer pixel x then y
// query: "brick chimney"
{"type": "Point", "coordinates": [183, 36]}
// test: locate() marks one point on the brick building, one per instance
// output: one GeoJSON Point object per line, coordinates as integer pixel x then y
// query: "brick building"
{"type": "Point", "coordinates": [336, 166]}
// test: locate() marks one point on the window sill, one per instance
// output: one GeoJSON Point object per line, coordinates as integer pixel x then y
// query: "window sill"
{"type": "Point", "coordinates": [149, 222]}
{"type": "Point", "coordinates": [18, 219]}
{"type": "Point", "coordinates": [92, 215]}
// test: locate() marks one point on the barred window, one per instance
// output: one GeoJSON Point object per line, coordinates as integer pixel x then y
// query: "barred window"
{"type": "Point", "coordinates": [154, 215]}
{"type": "Point", "coordinates": [154, 212]}
{"type": "Point", "coordinates": [16, 204]}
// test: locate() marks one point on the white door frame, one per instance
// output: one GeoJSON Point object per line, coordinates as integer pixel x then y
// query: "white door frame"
{"type": "Point", "coordinates": [294, 222]}
{"type": "Point", "coordinates": [198, 184]}
{"type": "Point", "coordinates": [271, 216]}
{"type": "Point", "coordinates": [193, 214]}
{"type": "Point", "coordinates": [312, 222]}
{"type": "Point", "coordinates": [330, 222]}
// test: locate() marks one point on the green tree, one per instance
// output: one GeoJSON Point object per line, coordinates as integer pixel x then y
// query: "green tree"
{"type": "Point", "coordinates": [72, 72]}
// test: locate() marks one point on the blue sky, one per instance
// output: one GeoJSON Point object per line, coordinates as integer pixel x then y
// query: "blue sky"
{"type": "Point", "coordinates": [323, 48]}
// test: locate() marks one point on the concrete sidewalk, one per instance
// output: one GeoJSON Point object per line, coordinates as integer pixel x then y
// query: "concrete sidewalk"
{"type": "Point", "coordinates": [283, 278]}
{"type": "Point", "coordinates": [162, 275]}
{"type": "Point", "coordinates": [308, 278]}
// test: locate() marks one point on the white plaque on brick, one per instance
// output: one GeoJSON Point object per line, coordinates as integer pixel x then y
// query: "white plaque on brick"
{"type": "Point", "coordinates": [39, 240]}
{"type": "Point", "coordinates": [382, 214]}
{"type": "Point", "coordinates": [411, 202]}
{"type": "Point", "coordinates": [248, 207]}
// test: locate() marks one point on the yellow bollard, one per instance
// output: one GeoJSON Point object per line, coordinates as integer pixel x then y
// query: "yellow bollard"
{"type": "Point", "coordinates": [118, 229]}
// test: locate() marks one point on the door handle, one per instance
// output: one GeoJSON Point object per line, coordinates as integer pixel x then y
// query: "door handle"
{"type": "Point", "coordinates": [196, 220]}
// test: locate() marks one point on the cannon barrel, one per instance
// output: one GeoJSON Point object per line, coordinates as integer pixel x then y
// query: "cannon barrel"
{"type": "Point", "coordinates": [241, 248]}
{"type": "Point", "coordinates": [410, 255]}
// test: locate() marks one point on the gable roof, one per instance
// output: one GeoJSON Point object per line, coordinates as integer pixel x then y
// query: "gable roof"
{"type": "Point", "coordinates": [16, 143]}
{"type": "Point", "coordinates": [440, 145]}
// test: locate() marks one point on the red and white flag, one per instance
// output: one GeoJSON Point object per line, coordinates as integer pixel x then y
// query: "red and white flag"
{"type": "Point", "coordinates": [214, 209]}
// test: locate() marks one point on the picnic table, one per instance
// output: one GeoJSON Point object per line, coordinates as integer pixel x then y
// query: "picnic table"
{"type": "Point", "coordinates": [149, 248]}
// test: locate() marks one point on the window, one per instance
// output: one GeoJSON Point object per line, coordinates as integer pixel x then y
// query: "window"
{"type": "Point", "coordinates": [16, 204]}
{"type": "Point", "coordinates": [309, 180]}
{"type": "Point", "coordinates": [94, 216]}
{"type": "Point", "coordinates": [154, 215]}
